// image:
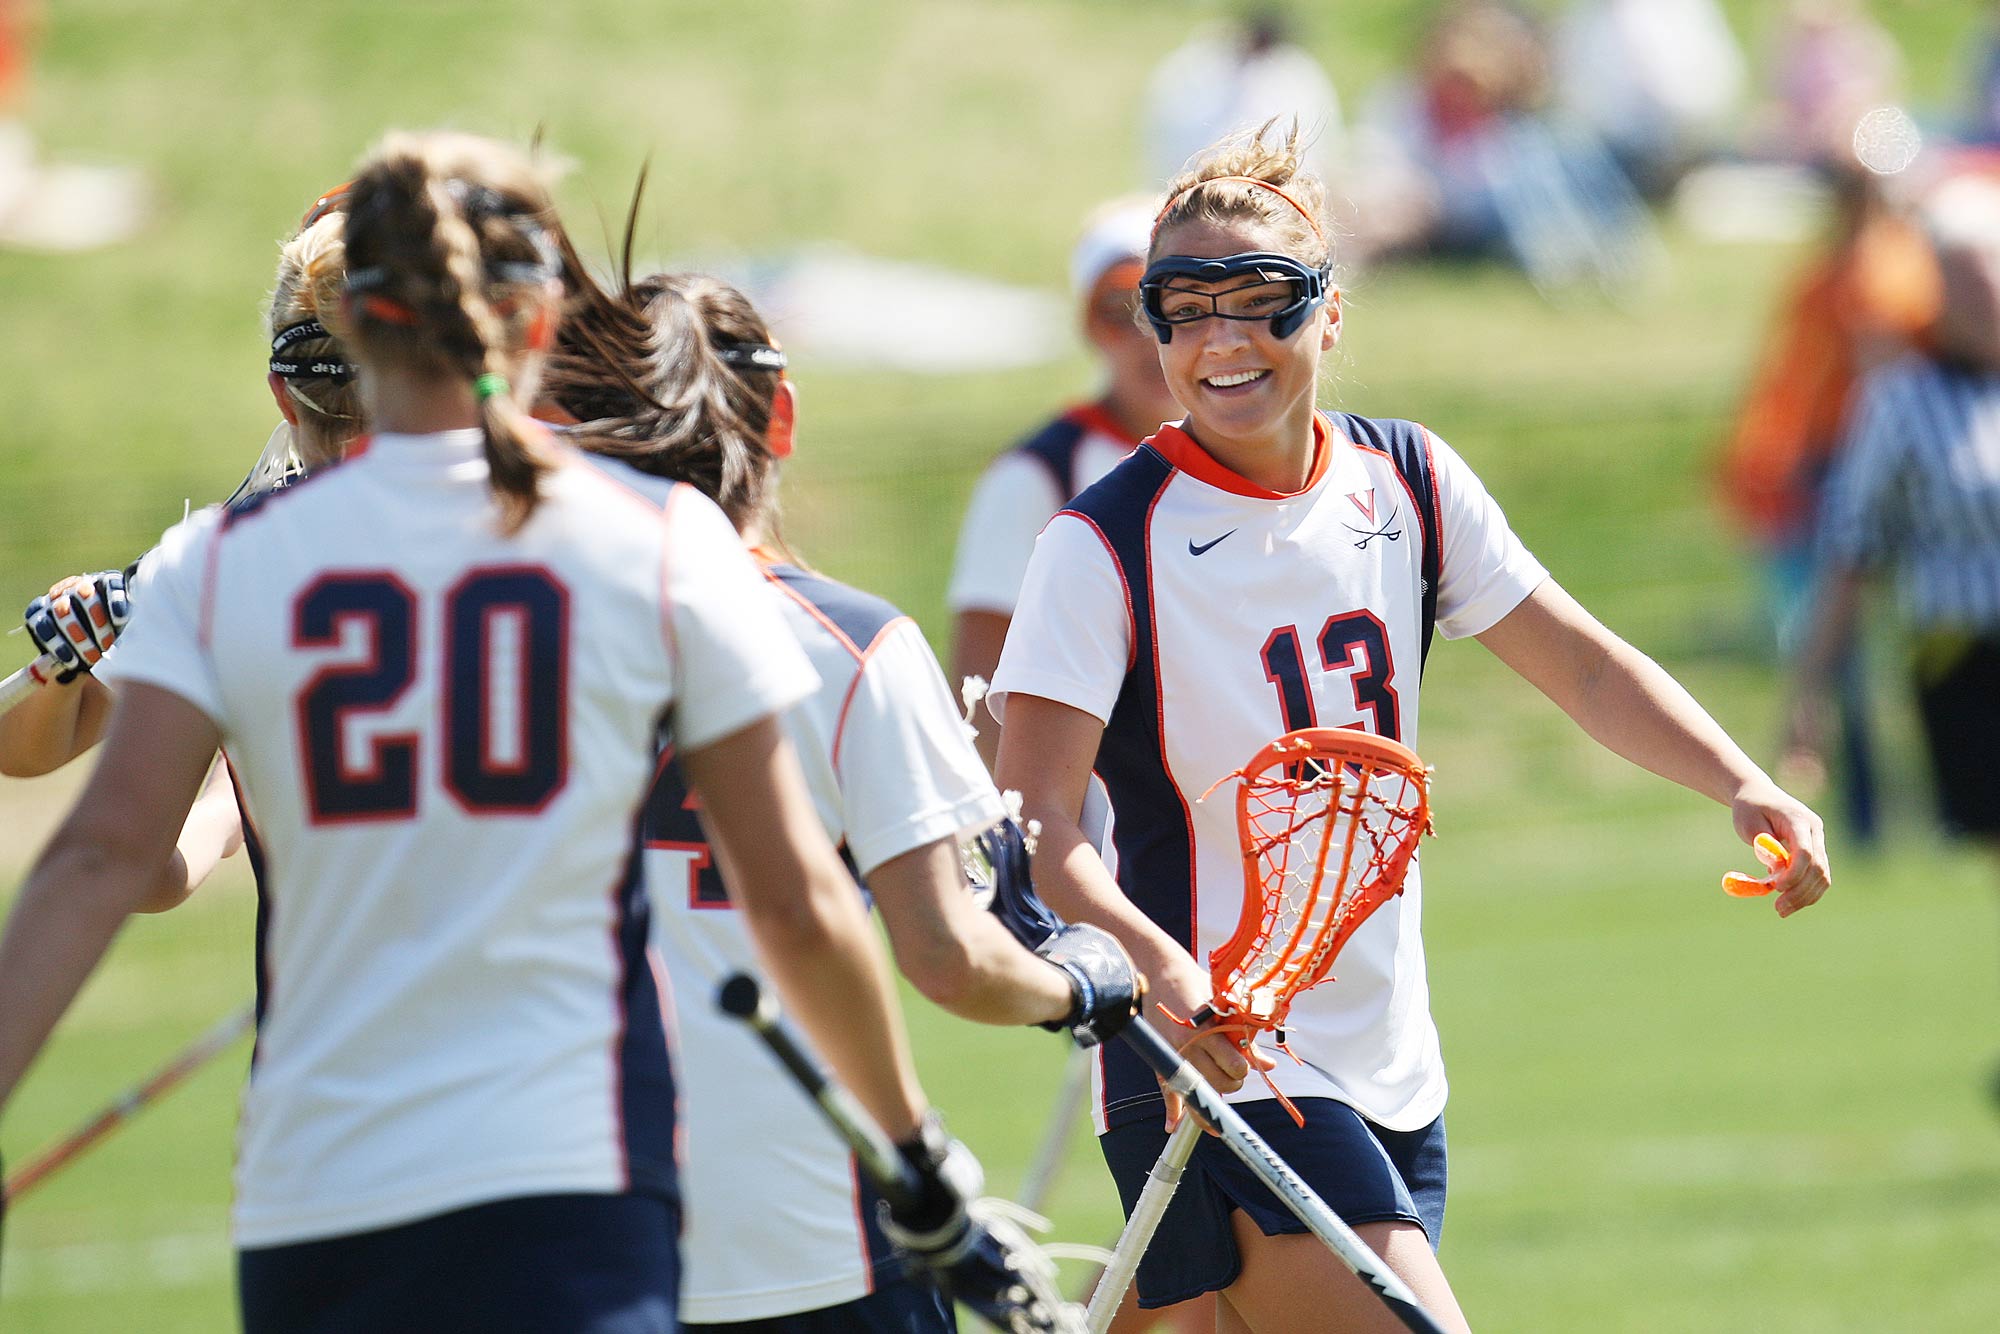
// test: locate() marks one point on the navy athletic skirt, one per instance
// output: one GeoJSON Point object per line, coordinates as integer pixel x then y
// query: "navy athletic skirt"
{"type": "Point", "coordinates": [1365, 1173]}
{"type": "Point", "coordinates": [907, 1306]}
{"type": "Point", "coordinates": [581, 1264]}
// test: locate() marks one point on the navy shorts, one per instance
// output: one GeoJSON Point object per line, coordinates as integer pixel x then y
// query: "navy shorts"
{"type": "Point", "coordinates": [1365, 1173]}
{"type": "Point", "coordinates": [906, 1306]}
{"type": "Point", "coordinates": [582, 1264]}
{"type": "Point", "coordinates": [1958, 684]}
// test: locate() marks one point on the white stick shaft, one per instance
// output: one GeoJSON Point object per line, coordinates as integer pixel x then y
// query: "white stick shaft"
{"type": "Point", "coordinates": [1161, 1183]}
{"type": "Point", "coordinates": [27, 680]}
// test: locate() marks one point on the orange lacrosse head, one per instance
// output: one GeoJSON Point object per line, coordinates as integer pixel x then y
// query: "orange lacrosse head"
{"type": "Point", "coordinates": [1329, 820]}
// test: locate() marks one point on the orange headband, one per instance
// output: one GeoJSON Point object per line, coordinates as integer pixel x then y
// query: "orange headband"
{"type": "Point", "coordinates": [1311, 221]}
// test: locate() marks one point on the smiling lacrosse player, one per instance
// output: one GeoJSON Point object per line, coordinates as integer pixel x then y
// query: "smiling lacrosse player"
{"type": "Point", "coordinates": [1260, 568]}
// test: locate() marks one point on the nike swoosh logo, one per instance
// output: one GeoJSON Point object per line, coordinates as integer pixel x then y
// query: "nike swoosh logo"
{"type": "Point", "coordinates": [1194, 550]}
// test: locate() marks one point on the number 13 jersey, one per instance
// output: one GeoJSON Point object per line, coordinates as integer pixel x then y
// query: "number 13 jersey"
{"type": "Point", "coordinates": [1200, 615]}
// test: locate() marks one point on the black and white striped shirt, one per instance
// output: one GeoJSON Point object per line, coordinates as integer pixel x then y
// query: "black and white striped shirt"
{"type": "Point", "coordinates": [1916, 485]}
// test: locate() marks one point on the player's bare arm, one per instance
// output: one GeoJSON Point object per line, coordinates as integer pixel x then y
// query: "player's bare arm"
{"type": "Point", "coordinates": [212, 833]}
{"type": "Point", "coordinates": [960, 957]}
{"type": "Point", "coordinates": [98, 867]}
{"type": "Point", "coordinates": [1630, 705]}
{"type": "Point", "coordinates": [810, 927]}
{"type": "Point", "coordinates": [976, 637]}
{"type": "Point", "coordinates": [1045, 755]}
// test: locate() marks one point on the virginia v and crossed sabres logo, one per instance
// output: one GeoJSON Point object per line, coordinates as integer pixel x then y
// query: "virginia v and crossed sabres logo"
{"type": "Point", "coordinates": [1365, 502]}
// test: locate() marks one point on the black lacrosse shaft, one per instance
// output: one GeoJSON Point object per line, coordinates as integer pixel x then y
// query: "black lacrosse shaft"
{"type": "Point", "coordinates": [1206, 1103]}
{"type": "Point", "coordinates": [742, 997]}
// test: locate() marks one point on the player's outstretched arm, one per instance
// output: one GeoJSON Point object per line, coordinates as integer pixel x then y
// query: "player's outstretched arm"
{"type": "Point", "coordinates": [1046, 751]}
{"type": "Point", "coordinates": [957, 954]}
{"type": "Point", "coordinates": [99, 866]}
{"type": "Point", "coordinates": [811, 929]}
{"type": "Point", "coordinates": [1629, 704]}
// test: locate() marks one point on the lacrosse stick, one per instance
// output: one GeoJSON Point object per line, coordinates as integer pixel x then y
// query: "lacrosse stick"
{"type": "Point", "coordinates": [130, 1103]}
{"type": "Point", "coordinates": [1033, 1305]}
{"type": "Point", "coordinates": [1329, 820]}
{"type": "Point", "coordinates": [278, 466]}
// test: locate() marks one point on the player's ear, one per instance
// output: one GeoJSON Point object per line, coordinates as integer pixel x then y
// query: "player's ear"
{"type": "Point", "coordinates": [285, 404]}
{"type": "Point", "coordinates": [1329, 333]}
{"type": "Point", "coordinates": [778, 437]}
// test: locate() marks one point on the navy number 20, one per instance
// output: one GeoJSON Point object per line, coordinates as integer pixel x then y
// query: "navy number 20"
{"type": "Point", "coordinates": [504, 731]}
{"type": "Point", "coordinates": [1356, 640]}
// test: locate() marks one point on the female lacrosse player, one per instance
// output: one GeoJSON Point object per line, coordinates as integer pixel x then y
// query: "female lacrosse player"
{"type": "Point", "coordinates": [441, 678]}
{"type": "Point", "coordinates": [1259, 568]}
{"type": "Point", "coordinates": [79, 619]}
{"type": "Point", "coordinates": [680, 375]}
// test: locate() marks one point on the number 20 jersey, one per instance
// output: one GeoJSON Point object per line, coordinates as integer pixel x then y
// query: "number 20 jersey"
{"type": "Point", "coordinates": [443, 737]}
{"type": "Point", "coordinates": [1200, 615]}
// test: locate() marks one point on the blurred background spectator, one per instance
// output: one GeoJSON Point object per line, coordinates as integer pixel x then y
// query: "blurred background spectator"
{"type": "Point", "coordinates": [1857, 305]}
{"type": "Point", "coordinates": [1498, 175]}
{"type": "Point", "coordinates": [1915, 490]}
{"type": "Point", "coordinates": [1236, 77]}
{"type": "Point", "coordinates": [1659, 81]}
{"type": "Point", "coordinates": [1830, 63]}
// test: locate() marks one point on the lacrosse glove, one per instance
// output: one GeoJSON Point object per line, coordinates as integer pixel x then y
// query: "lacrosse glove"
{"type": "Point", "coordinates": [1106, 987]}
{"type": "Point", "coordinates": [77, 620]}
{"type": "Point", "coordinates": [969, 1247]}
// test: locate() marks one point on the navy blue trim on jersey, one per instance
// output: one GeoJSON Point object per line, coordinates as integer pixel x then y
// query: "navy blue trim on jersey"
{"type": "Point", "coordinates": [1153, 833]}
{"type": "Point", "coordinates": [1055, 447]}
{"type": "Point", "coordinates": [859, 616]}
{"type": "Point", "coordinates": [1408, 445]}
{"type": "Point", "coordinates": [238, 510]}
{"type": "Point", "coordinates": [253, 850]}
{"type": "Point", "coordinates": [647, 1105]}
{"type": "Point", "coordinates": [886, 1264]}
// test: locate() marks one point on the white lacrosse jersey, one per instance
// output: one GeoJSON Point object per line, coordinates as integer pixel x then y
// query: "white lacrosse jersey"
{"type": "Point", "coordinates": [1200, 616]}
{"type": "Point", "coordinates": [776, 1218]}
{"type": "Point", "coordinates": [443, 738]}
{"type": "Point", "coordinates": [1016, 497]}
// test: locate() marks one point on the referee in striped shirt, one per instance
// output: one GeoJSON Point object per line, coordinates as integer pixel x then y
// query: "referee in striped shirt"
{"type": "Point", "coordinates": [1915, 489]}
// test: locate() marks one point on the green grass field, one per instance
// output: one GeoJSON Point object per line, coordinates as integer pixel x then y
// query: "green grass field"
{"type": "Point", "coordinates": [1672, 1112]}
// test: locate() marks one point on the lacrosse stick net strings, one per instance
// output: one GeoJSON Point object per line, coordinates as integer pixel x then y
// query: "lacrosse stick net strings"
{"type": "Point", "coordinates": [1329, 821]}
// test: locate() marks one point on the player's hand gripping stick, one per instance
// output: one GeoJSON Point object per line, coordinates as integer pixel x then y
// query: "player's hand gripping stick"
{"type": "Point", "coordinates": [929, 1188]}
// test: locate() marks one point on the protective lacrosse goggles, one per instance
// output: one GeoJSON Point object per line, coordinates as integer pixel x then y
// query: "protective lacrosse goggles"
{"type": "Point", "coordinates": [1272, 287]}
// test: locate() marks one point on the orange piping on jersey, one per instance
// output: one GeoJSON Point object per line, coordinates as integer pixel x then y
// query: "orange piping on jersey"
{"type": "Point", "coordinates": [1097, 417]}
{"type": "Point", "coordinates": [860, 670]}
{"type": "Point", "coordinates": [860, 1226]}
{"type": "Point", "coordinates": [1179, 448]}
{"type": "Point", "coordinates": [839, 634]}
{"type": "Point", "coordinates": [1437, 515]}
{"type": "Point", "coordinates": [1131, 616]}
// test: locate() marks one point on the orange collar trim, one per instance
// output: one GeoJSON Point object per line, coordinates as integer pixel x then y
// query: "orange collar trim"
{"type": "Point", "coordinates": [1185, 453]}
{"type": "Point", "coordinates": [1096, 417]}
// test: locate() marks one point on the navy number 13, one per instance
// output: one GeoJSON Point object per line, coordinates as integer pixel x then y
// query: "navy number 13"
{"type": "Point", "coordinates": [1339, 641]}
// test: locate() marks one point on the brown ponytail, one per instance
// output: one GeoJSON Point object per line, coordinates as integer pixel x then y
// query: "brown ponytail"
{"type": "Point", "coordinates": [643, 369]}
{"type": "Point", "coordinates": [450, 256]}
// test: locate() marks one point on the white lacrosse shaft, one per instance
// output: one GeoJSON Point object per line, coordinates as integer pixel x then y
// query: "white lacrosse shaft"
{"type": "Point", "coordinates": [1276, 1175]}
{"type": "Point", "coordinates": [1161, 1183]}
{"type": "Point", "coordinates": [27, 680]}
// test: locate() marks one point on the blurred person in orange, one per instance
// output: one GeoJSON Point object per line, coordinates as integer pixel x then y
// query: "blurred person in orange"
{"type": "Point", "coordinates": [1915, 491]}
{"type": "Point", "coordinates": [1857, 305]}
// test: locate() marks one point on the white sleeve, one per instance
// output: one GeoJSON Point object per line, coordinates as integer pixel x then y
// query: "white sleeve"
{"type": "Point", "coordinates": [1013, 501]}
{"type": "Point", "coordinates": [907, 771]}
{"type": "Point", "coordinates": [162, 645]}
{"type": "Point", "coordinates": [1484, 571]}
{"type": "Point", "coordinates": [1071, 640]}
{"type": "Point", "coordinates": [735, 659]}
